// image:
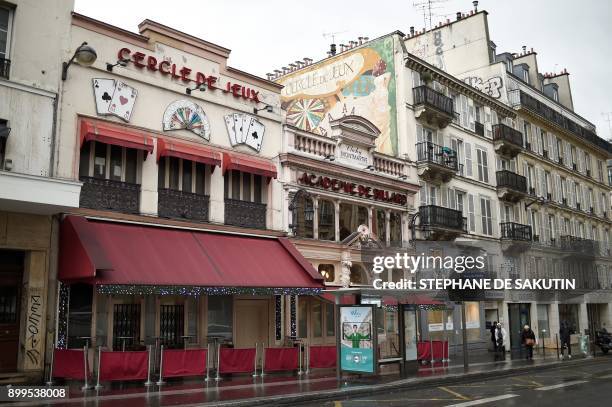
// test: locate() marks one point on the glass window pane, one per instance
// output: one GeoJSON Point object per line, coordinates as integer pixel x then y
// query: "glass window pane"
{"type": "Point", "coordinates": [381, 225]}
{"type": "Point", "coordinates": [200, 179]}
{"type": "Point", "coordinates": [226, 181]}
{"type": "Point", "coordinates": [235, 184]}
{"type": "Point", "coordinates": [258, 188]}
{"type": "Point", "coordinates": [131, 164]}
{"type": "Point", "coordinates": [302, 318]}
{"type": "Point", "coordinates": [543, 321]}
{"type": "Point", "coordinates": [187, 175]}
{"type": "Point", "coordinates": [304, 206]}
{"type": "Point", "coordinates": [326, 220]}
{"type": "Point", "coordinates": [116, 168]}
{"type": "Point", "coordinates": [100, 161]}
{"type": "Point", "coordinates": [220, 316]}
{"type": "Point", "coordinates": [246, 187]}
{"type": "Point", "coordinates": [4, 19]}
{"type": "Point", "coordinates": [161, 173]}
{"type": "Point", "coordinates": [330, 326]}
{"type": "Point", "coordinates": [84, 161]}
{"type": "Point", "coordinates": [174, 173]}
{"type": "Point", "coordinates": [317, 319]}
{"type": "Point", "coordinates": [79, 316]}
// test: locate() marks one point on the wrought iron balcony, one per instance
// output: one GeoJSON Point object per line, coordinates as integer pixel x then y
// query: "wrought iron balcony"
{"type": "Point", "coordinates": [577, 246]}
{"type": "Point", "coordinates": [515, 231]}
{"type": "Point", "coordinates": [510, 186]}
{"type": "Point", "coordinates": [441, 222]}
{"type": "Point", "coordinates": [245, 214]}
{"type": "Point", "coordinates": [5, 68]}
{"type": "Point", "coordinates": [111, 195]}
{"type": "Point", "coordinates": [182, 205]}
{"type": "Point", "coordinates": [479, 128]}
{"type": "Point", "coordinates": [435, 162]}
{"type": "Point", "coordinates": [506, 140]}
{"type": "Point", "coordinates": [433, 107]}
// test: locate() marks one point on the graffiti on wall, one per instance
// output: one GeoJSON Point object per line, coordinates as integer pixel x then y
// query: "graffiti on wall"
{"type": "Point", "coordinates": [33, 328]}
{"type": "Point", "coordinates": [491, 86]}
{"type": "Point", "coordinates": [359, 82]}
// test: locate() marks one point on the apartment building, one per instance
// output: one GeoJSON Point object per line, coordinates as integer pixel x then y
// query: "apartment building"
{"type": "Point", "coordinates": [551, 181]}
{"type": "Point", "coordinates": [31, 192]}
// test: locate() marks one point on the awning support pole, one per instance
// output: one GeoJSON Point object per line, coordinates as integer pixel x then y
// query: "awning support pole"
{"type": "Point", "coordinates": [50, 382]}
{"type": "Point", "coordinates": [218, 362]}
{"type": "Point", "coordinates": [207, 363]}
{"type": "Point", "coordinates": [86, 386]}
{"type": "Point", "coordinates": [148, 382]}
{"type": "Point", "coordinates": [255, 363]}
{"type": "Point", "coordinates": [98, 385]}
{"type": "Point", "coordinates": [161, 366]}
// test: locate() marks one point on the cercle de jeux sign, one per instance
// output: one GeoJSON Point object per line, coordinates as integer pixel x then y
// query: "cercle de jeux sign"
{"type": "Point", "coordinates": [352, 188]}
{"type": "Point", "coordinates": [185, 74]}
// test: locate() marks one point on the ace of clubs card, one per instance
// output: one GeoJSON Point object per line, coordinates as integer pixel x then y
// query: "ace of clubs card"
{"type": "Point", "coordinates": [123, 101]}
{"type": "Point", "coordinates": [103, 93]}
{"type": "Point", "coordinates": [255, 134]}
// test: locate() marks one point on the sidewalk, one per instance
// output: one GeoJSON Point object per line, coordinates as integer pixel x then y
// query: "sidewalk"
{"type": "Point", "coordinates": [289, 389]}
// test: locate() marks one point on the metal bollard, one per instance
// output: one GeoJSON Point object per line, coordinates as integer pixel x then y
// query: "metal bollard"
{"type": "Point", "coordinates": [218, 362]}
{"type": "Point", "coordinates": [149, 382]}
{"type": "Point", "coordinates": [307, 358]}
{"type": "Point", "coordinates": [255, 363]}
{"type": "Point", "coordinates": [300, 372]}
{"type": "Point", "coordinates": [86, 386]}
{"type": "Point", "coordinates": [161, 366]}
{"type": "Point", "coordinates": [207, 363]}
{"type": "Point", "coordinates": [50, 382]}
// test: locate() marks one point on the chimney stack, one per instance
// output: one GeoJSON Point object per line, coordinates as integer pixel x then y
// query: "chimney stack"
{"type": "Point", "coordinates": [524, 49]}
{"type": "Point", "coordinates": [360, 40]}
{"type": "Point", "coordinates": [475, 3]}
{"type": "Point", "coordinates": [458, 15]}
{"type": "Point", "coordinates": [332, 49]}
{"type": "Point", "coordinates": [412, 31]}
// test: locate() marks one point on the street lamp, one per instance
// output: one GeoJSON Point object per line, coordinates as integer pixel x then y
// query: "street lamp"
{"type": "Point", "coordinates": [84, 55]}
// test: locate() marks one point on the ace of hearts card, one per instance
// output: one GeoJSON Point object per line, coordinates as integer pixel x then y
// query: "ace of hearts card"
{"type": "Point", "coordinates": [122, 102]}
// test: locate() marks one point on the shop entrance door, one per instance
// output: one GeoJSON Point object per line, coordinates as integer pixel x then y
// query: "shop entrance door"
{"type": "Point", "coordinates": [252, 323]}
{"type": "Point", "coordinates": [11, 269]}
{"type": "Point", "coordinates": [520, 315]}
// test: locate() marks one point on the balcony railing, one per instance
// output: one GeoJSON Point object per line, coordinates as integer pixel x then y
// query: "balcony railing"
{"type": "Point", "coordinates": [515, 231]}
{"type": "Point", "coordinates": [424, 95]}
{"type": "Point", "coordinates": [479, 129]}
{"type": "Point", "coordinates": [579, 245]}
{"type": "Point", "coordinates": [507, 133]}
{"type": "Point", "coordinates": [550, 114]}
{"type": "Point", "coordinates": [245, 214]}
{"type": "Point", "coordinates": [182, 205]}
{"type": "Point", "coordinates": [432, 216]}
{"type": "Point", "coordinates": [110, 195]}
{"type": "Point", "coordinates": [5, 67]}
{"type": "Point", "coordinates": [428, 152]}
{"type": "Point", "coordinates": [511, 180]}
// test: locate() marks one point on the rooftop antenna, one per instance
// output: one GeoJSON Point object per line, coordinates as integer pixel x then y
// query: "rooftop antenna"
{"type": "Point", "coordinates": [333, 35]}
{"type": "Point", "coordinates": [608, 118]}
{"type": "Point", "coordinates": [428, 7]}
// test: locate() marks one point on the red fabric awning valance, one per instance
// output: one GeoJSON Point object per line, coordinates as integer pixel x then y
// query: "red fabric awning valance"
{"type": "Point", "coordinates": [200, 154]}
{"type": "Point", "coordinates": [248, 164]}
{"type": "Point", "coordinates": [116, 135]}
{"type": "Point", "coordinates": [127, 254]}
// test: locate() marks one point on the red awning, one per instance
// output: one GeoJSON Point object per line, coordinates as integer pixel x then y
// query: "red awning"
{"type": "Point", "coordinates": [245, 163]}
{"type": "Point", "coordinates": [116, 135]}
{"type": "Point", "coordinates": [116, 253]}
{"type": "Point", "coordinates": [200, 154]}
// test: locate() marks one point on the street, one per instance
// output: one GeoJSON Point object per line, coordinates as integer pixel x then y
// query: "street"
{"type": "Point", "coordinates": [587, 385]}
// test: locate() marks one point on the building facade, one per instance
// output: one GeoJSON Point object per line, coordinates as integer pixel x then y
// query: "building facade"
{"type": "Point", "coordinates": [31, 192]}
{"type": "Point", "coordinates": [554, 198]}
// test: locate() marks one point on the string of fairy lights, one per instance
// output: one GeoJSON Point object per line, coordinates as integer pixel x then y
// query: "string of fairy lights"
{"type": "Point", "coordinates": [120, 289]}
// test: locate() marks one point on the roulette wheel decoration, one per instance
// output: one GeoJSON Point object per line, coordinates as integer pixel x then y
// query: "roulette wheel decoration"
{"type": "Point", "coordinates": [306, 114]}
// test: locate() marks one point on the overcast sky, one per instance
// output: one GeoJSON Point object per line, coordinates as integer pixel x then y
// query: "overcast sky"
{"type": "Point", "coordinates": [267, 34]}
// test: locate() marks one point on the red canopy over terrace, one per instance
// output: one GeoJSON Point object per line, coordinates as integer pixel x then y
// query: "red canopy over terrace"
{"type": "Point", "coordinates": [112, 253]}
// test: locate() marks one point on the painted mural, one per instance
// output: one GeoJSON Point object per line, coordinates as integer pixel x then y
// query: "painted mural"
{"type": "Point", "coordinates": [359, 82]}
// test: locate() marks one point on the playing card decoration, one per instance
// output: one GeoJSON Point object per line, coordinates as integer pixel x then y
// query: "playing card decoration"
{"type": "Point", "coordinates": [114, 98]}
{"type": "Point", "coordinates": [184, 114]}
{"type": "Point", "coordinates": [245, 129]}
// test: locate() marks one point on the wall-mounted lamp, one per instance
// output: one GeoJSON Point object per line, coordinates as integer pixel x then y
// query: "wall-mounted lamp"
{"type": "Point", "coordinates": [120, 62]}
{"type": "Point", "coordinates": [84, 55]}
{"type": "Point", "coordinates": [370, 167]}
{"type": "Point", "coordinates": [267, 108]}
{"type": "Point", "coordinates": [403, 176]}
{"type": "Point", "coordinates": [201, 87]}
{"type": "Point", "coordinates": [330, 157]}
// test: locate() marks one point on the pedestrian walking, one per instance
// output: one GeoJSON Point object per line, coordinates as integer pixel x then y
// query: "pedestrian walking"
{"type": "Point", "coordinates": [493, 328]}
{"type": "Point", "coordinates": [502, 340]}
{"type": "Point", "coordinates": [565, 337]}
{"type": "Point", "coordinates": [528, 340]}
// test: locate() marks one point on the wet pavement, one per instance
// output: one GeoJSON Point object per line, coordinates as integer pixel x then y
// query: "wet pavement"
{"type": "Point", "coordinates": [196, 391]}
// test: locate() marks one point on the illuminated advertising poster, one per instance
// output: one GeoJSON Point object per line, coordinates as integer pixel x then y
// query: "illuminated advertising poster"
{"type": "Point", "coordinates": [357, 344]}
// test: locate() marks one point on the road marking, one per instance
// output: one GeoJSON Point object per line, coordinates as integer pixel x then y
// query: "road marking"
{"type": "Point", "coordinates": [454, 393]}
{"type": "Point", "coordinates": [560, 385]}
{"type": "Point", "coordinates": [484, 401]}
{"type": "Point", "coordinates": [337, 404]}
{"type": "Point", "coordinates": [608, 376]}
{"type": "Point", "coordinates": [532, 382]}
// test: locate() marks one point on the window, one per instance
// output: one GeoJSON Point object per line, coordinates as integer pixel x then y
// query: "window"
{"type": "Point", "coordinates": [351, 216]}
{"type": "Point", "coordinates": [587, 162]}
{"type": "Point", "coordinates": [563, 190]}
{"type": "Point", "coordinates": [526, 132]}
{"type": "Point", "coordinates": [303, 216]}
{"type": "Point", "coordinates": [379, 224]}
{"type": "Point", "coordinates": [559, 150]}
{"type": "Point", "coordinates": [182, 175]}
{"type": "Point", "coordinates": [106, 161]}
{"type": "Point", "coordinates": [80, 314]}
{"type": "Point", "coordinates": [483, 168]}
{"type": "Point", "coordinates": [600, 171]}
{"type": "Point", "coordinates": [395, 229]}
{"type": "Point", "coordinates": [220, 316]}
{"type": "Point", "coordinates": [302, 317]}
{"type": "Point", "coordinates": [327, 272]}
{"type": "Point", "coordinates": [330, 326]}
{"type": "Point", "coordinates": [243, 186]}
{"type": "Point", "coordinates": [555, 95]}
{"type": "Point", "coordinates": [486, 216]}
{"type": "Point", "coordinates": [6, 16]}
{"type": "Point", "coordinates": [126, 325]}
{"type": "Point", "coordinates": [547, 184]}
{"type": "Point", "coordinates": [317, 319]}
{"type": "Point", "coordinates": [543, 143]}
{"type": "Point", "coordinates": [327, 223]}
{"type": "Point", "coordinates": [574, 157]}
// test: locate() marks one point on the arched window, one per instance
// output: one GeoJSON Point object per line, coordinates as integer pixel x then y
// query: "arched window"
{"type": "Point", "coordinates": [379, 225]}
{"type": "Point", "coordinates": [328, 272]}
{"type": "Point", "coordinates": [351, 216]}
{"type": "Point", "coordinates": [302, 212]}
{"type": "Point", "coordinates": [327, 221]}
{"type": "Point", "coordinates": [395, 229]}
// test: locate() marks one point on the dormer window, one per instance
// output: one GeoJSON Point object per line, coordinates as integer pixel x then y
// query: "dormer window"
{"type": "Point", "coordinates": [526, 76]}
{"type": "Point", "coordinates": [555, 95]}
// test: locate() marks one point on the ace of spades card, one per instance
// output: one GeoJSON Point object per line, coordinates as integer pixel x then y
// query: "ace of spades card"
{"type": "Point", "coordinates": [255, 134]}
{"type": "Point", "coordinates": [123, 100]}
{"type": "Point", "coordinates": [103, 93]}
{"type": "Point", "coordinates": [237, 127]}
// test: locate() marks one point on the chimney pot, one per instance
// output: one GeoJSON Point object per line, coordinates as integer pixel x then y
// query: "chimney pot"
{"type": "Point", "coordinates": [475, 3]}
{"type": "Point", "coordinates": [332, 49]}
{"type": "Point", "coordinates": [458, 15]}
{"type": "Point", "coordinates": [411, 31]}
